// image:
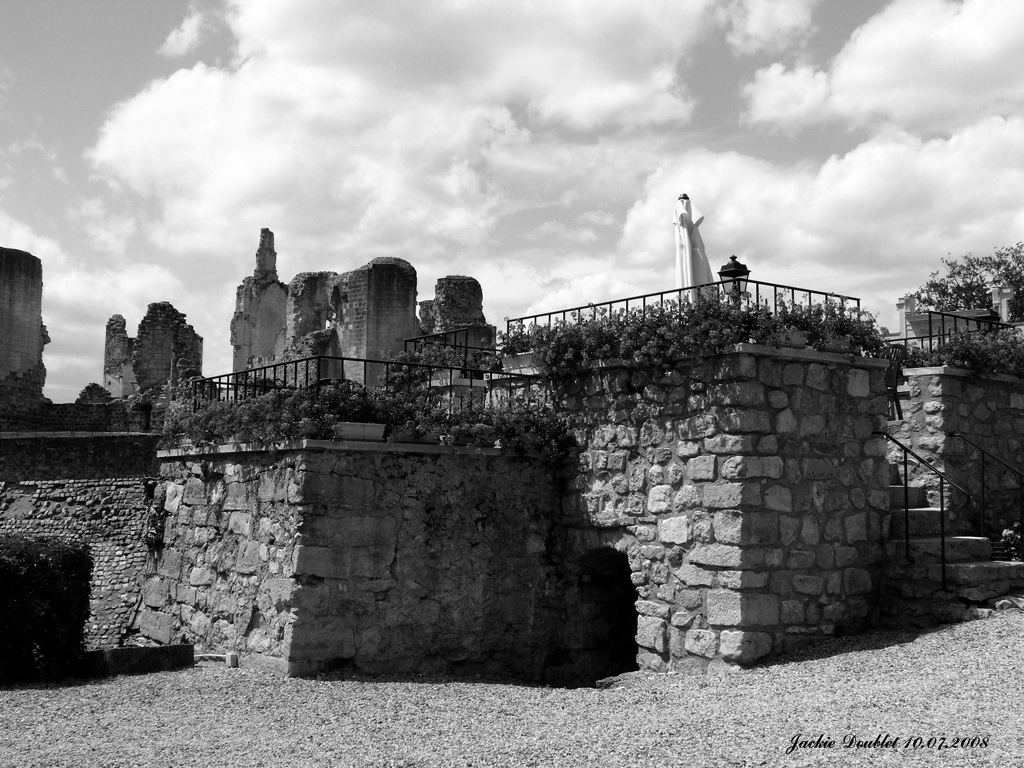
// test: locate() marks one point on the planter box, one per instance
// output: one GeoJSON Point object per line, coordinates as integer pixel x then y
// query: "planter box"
{"type": "Point", "coordinates": [358, 430]}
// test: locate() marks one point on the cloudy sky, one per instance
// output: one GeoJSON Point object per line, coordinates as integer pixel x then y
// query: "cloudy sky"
{"type": "Point", "coordinates": [537, 145]}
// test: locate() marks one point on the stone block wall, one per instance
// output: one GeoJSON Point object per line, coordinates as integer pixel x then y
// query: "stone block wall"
{"type": "Point", "coordinates": [22, 336]}
{"type": "Point", "coordinates": [109, 514]}
{"type": "Point", "coordinates": [987, 410]}
{"type": "Point", "coordinates": [77, 458]}
{"type": "Point", "coordinates": [390, 559]}
{"type": "Point", "coordinates": [118, 375]}
{"type": "Point", "coordinates": [748, 492]}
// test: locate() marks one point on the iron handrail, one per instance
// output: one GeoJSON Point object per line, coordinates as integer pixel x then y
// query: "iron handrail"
{"type": "Point", "coordinates": [753, 295]}
{"type": "Point", "coordinates": [1020, 488]}
{"type": "Point", "coordinates": [943, 479]}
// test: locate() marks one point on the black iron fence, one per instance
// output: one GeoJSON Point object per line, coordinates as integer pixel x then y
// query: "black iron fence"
{"type": "Point", "coordinates": [460, 386]}
{"type": "Point", "coordinates": [756, 293]}
{"type": "Point", "coordinates": [941, 326]}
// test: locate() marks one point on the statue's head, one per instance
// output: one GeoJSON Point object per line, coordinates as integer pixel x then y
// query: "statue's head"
{"type": "Point", "coordinates": [684, 196]}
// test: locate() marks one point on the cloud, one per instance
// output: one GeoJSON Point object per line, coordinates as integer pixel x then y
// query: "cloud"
{"type": "Point", "coordinates": [787, 99]}
{"type": "Point", "coordinates": [929, 66]}
{"type": "Point", "coordinates": [755, 26]}
{"type": "Point", "coordinates": [185, 37]}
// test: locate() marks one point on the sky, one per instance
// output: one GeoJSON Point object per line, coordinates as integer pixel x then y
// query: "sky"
{"type": "Point", "coordinates": [538, 146]}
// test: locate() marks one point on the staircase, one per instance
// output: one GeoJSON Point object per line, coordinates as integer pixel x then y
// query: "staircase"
{"type": "Point", "coordinates": [912, 592]}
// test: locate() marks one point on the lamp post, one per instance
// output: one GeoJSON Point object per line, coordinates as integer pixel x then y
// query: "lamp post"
{"type": "Point", "coordinates": [734, 274]}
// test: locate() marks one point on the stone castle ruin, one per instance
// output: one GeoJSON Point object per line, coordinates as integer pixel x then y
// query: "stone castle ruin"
{"type": "Point", "coordinates": [22, 334]}
{"type": "Point", "coordinates": [367, 313]}
{"type": "Point", "coordinates": [165, 352]}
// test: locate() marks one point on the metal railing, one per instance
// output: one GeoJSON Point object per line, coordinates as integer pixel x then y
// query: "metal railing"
{"type": "Point", "coordinates": [1020, 488]}
{"type": "Point", "coordinates": [463, 387]}
{"type": "Point", "coordinates": [944, 325]}
{"type": "Point", "coordinates": [757, 293]}
{"type": "Point", "coordinates": [943, 479]}
{"type": "Point", "coordinates": [457, 339]}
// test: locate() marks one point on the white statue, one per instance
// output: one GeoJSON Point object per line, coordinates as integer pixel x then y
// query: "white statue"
{"type": "Point", "coordinates": [692, 267]}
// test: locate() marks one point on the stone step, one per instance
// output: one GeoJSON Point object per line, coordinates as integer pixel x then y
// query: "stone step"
{"type": "Point", "coordinates": [959, 549]}
{"type": "Point", "coordinates": [917, 496]}
{"type": "Point", "coordinates": [979, 573]}
{"type": "Point", "coordinates": [924, 521]}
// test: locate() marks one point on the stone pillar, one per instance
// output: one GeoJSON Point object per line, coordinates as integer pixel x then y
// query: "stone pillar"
{"type": "Point", "coordinates": [118, 376]}
{"type": "Point", "coordinates": [22, 334]}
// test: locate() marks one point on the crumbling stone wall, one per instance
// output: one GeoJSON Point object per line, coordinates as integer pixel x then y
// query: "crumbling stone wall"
{"type": "Point", "coordinates": [22, 336]}
{"type": "Point", "coordinates": [748, 492]}
{"type": "Point", "coordinates": [167, 349]}
{"type": "Point", "coordinates": [118, 375]}
{"type": "Point", "coordinates": [109, 515]}
{"type": "Point", "coordinates": [86, 489]}
{"type": "Point", "coordinates": [458, 303]}
{"type": "Point", "coordinates": [257, 327]}
{"type": "Point", "coordinates": [387, 558]}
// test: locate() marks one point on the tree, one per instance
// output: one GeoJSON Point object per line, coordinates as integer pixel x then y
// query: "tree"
{"type": "Point", "coordinates": [968, 281]}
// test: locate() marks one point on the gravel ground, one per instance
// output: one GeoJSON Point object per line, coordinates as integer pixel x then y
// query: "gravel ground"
{"type": "Point", "coordinates": [957, 682]}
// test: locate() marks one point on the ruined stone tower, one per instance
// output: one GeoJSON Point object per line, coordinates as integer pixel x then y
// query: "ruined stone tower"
{"type": "Point", "coordinates": [22, 334]}
{"type": "Point", "coordinates": [365, 313]}
{"type": "Point", "coordinates": [458, 303]}
{"type": "Point", "coordinates": [257, 327]}
{"type": "Point", "coordinates": [165, 352]}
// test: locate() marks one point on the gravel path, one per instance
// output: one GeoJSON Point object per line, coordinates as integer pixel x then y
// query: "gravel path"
{"type": "Point", "coordinates": [960, 681]}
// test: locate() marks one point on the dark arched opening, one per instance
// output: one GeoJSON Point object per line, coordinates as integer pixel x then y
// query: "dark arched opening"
{"type": "Point", "coordinates": [599, 638]}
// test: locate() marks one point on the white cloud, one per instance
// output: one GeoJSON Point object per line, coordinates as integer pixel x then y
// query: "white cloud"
{"type": "Point", "coordinates": [754, 26]}
{"type": "Point", "coordinates": [184, 38]}
{"type": "Point", "coordinates": [787, 99]}
{"type": "Point", "coordinates": [929, 66]}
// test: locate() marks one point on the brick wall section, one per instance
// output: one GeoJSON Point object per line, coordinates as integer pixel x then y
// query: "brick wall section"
{"type": "Point", "coordinates": [64, 458]}
{"type": "Point", "coordinates": [22, 335]}
{"type": "Point", "coordinates": [107, 514]}
{"type": "Point", "coordinates": [989, 411]}
{"type": "Point", "coordinates": [391, 560]}
{"type": "Point", "coordinates": [751, 504]}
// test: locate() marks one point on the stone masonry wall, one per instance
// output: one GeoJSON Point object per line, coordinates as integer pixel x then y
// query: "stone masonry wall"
{"type": "Point", "coordinates": [109, 515]}
{"type": "Point", "coordinates": [390, 559]}
{"type": "Point", "coordinates": [990, 411]}
{"type": "Point", "coordinates": [748, 493]}
{"type": "Point", "coordinates": [65, 458]}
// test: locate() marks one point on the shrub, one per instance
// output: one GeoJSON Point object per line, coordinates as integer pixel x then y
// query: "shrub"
{"type": "Point", "coordinates": [661, 335]}
{"type": "Point", "coordinates": [44, 604]}
{"type": "Point", "coordinates": [984, 353]}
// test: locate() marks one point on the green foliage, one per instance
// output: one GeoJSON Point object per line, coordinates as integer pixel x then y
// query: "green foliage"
{"type": "Point", "coordinates": [44, 604]}
{"type": "Point", "coordinates": [999, 351]}
{"type": "Point", "coordinates": [661, 335]}
{"type": "Point", "coordinates": [519, 424]}
{"type": "Point", "coordinates": [1011, 540]}
{"type": "Point", "coordinates": [966, 282]}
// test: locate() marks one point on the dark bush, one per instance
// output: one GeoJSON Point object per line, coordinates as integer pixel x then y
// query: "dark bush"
{"type": "Point", "coordinates": [44, 604]}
